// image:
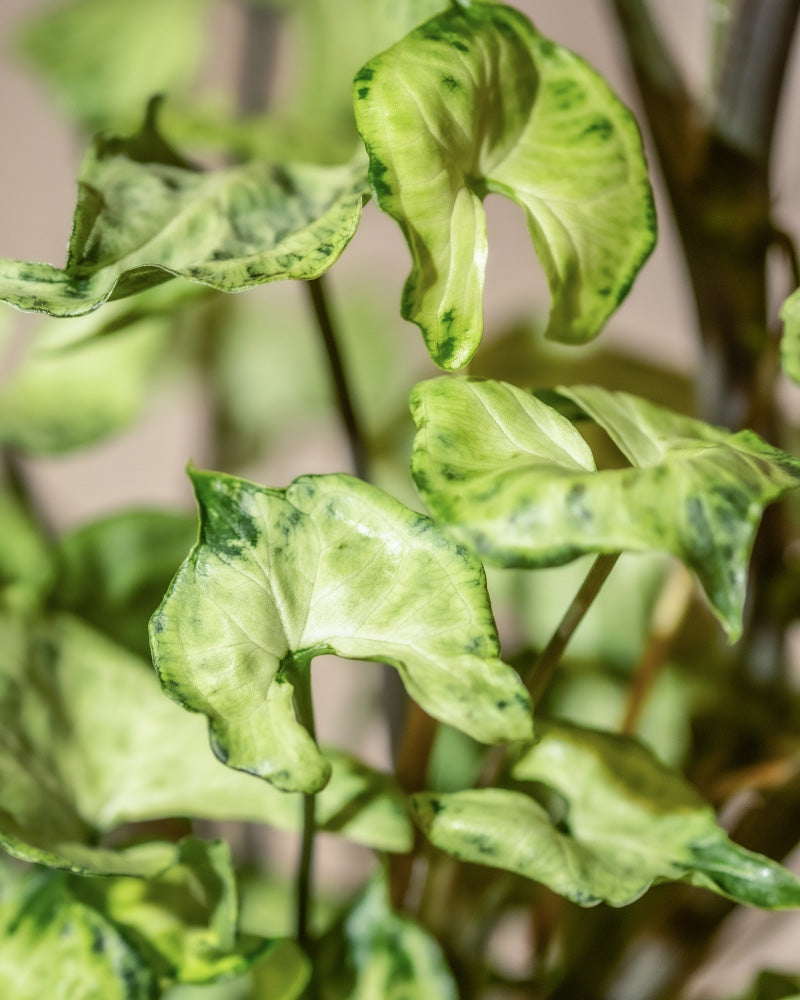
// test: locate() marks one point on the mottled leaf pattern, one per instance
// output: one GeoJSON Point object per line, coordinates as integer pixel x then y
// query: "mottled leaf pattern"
{"type": "Point", "coordinates": [53, 945]}
{"type": "Point", "coordinates": [145, 215]}
{"type": "Point", "coordinates": [328, 565]}
{"type": "Point", "coordinates": [629, 822]}
{"type": "Point", "coordinates": [391, 957]}
{"type": "Point", "coordinates": [477, 101]}
{"type": "Point", "coordinates": [515, 478]}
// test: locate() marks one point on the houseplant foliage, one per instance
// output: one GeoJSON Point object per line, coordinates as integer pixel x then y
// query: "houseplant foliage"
{"type": "Point", "coordinates": [574, 788]}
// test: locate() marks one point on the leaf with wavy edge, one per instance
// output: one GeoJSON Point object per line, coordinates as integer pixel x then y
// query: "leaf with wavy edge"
{"type": "Point", "coordinates": [630, 822]}
{"type": "Point", "coordinates": [145, 215]}
{"type": "Point", "coordinates": [88, 742]}
{"type": "Point", "coordinates": [513, 477]}
{"type": "Point", "coordinates": [328, 565]}
{"type": "Point", "coordinates": [476, 101]}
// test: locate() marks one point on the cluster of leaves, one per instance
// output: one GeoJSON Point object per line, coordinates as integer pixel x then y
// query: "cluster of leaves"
{"type": "Point", "coordinates": [450, 102]}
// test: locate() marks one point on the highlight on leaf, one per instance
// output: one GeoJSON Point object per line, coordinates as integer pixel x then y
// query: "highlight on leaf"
{"type": "Point", "coordinates": [328, 565]}
{"type": "Point", "coordinates": [514, 478]}
{"type": "Point", "coordinates": [475, 101]}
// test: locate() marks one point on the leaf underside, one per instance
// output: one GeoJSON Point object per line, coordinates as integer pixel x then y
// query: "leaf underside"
{"type": "Point", "coordinates": [514, 478]}
{"type": "Point", "coordinates": [476, 101]}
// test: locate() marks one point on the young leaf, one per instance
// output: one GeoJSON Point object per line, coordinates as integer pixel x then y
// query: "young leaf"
{"type": "Point", "coordinates": [88, 741]}
{"type": "Point", "coordinates": [790, 341]}
{"type": "Point", "coordinates": [388, 955]}
{"type": "Point", "coordinates": [630, 822]}
{"type": "Point", "coordinates": [329, 565]}
{"type": "Point", "coordinates": [53, 945]}
{"type": "Point", "coordinates": [515, 478]}
{"type": "Point", "coordinates": [476, 101]}
{"type": "Point", "coordinates": [145, 215]}
{"type": "Point", "coordinates": [104, 61]}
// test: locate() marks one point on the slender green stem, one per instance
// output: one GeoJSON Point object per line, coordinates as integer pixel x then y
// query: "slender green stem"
{"type": "Point", "coordinates": [305, 716]}
{"type": "Point", "coordinates": [317, 290]}
{"type": "Point", "coordinates": [545, 666]}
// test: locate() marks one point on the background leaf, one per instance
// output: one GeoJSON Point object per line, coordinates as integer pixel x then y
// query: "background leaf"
{"type": "Point", "coordinates": [104, 61]}
{"type": "Point", "coordinates": [476, 101]}
{"type": "Point", "coordinates": [790, 341]}
{"type": "Point", "coordinates": [53, 945]}
{"type": "Point", "coordinates": [628, 822]}
{"type": "Point", "coordinates": [515, 478]}
{"type": "Point", "coordinates": [328, 565]}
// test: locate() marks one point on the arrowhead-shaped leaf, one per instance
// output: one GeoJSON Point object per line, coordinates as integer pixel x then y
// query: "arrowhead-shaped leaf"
{"type": "Point", "coordinates": [515, 478]}
{"type": "Point", "coordinates": [790, 341]}
{"type": "Point", "coordinates": [145, 215]}
{"type": "Point", "coordinates": [329, 565]}
{"type": "Point", "coordinates": [387, 955]}
{"type": "Point", "coordinates": [629, 822]}
{"type": "Point", "coordinates": [477, 101]}
{"type": "Point", "coordinates": [88, 742]}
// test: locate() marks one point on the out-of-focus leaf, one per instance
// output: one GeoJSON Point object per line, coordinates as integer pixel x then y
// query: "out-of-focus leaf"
{"type": "Point", "coordinates": [774, 986]}
{"type": "Point", "coordinates": [629, 822]}
{"type": "Point", "coordinates": [145, 215]}
{"type": "Point", "coordinates": [385, 955]}
{"type": "Point", "coordinates": [183, 922]}
{"type": "Point", "coordinates": [515, 478]}
{"type": "Point", "coordinates": [790, 342]}
{"type": "Point", "coordinates": [64, 399]}
{"type": "Point", "coordinates": [329, 565]}
{"type": "Point", "coordinates": [88, 742]}
{"type": "Point", "coordinates": [26, 564]}
{"type": "Point", "coordinates": [113, 572]}
{"type": "Point", "coordinates": [477, 101]}
{"type": "Point", "coordinates": [104, 61]}
{"type": "Point", "coordinates": [53, 945]}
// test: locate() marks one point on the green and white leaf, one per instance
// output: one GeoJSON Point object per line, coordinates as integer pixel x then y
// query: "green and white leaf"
{"type": "Point", "coordinates": [88, 742]}
{"type": "Point", "coordinates": [629, 822]}
{"type": "Point", "coordinates": [183, 923]}
{"type": "Point", "coordinates": [54, 945]}
{"type": "Point", "coordinates": [388, 955]}
{"type": "Point", "coordinates": [104, 61]}
{"type": "Point", "coordinates": [790, 341]}
{"type": "Point", "coordinates": [145, 215]}
{"type": "Point", "coordinates": [328, 565]}
{"type": "Point", "coordinates": [513, 477]}
{"type": "Point", "coordinates": [476, 101]}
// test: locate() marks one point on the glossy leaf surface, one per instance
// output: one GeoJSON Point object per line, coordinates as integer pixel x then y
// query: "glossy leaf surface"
{"type": "Point", "coordinates": [515, 478]}
{"type": "Point", "coordinates": [329, 565]}
{"type": "Point", "coordinates": [88, 741]}
{"type": "Point", "coordinates": [145, 215]}
{"type": "Point", "coordinates": [476, 101]}
{"type": "Point", "coordinates": [629, 822]}
{"type": "Point", "coordinates": [54, 945]}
